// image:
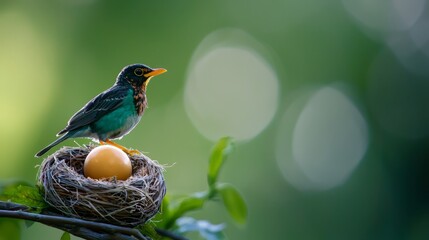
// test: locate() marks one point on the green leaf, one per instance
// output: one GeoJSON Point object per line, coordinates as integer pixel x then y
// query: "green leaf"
{"type": "Point", "coordinates": [148, 230]}
{"type": "Point", "coordinates": [218, 155]}
{"type": "Point", "coordinates": [206, 229]}
{"type": "Point", "coordinates": [25, 195]}
{"type": "Point", "coordinates": [184, 205]}
{"type": "Point", "coordinates": [65, 236]}
{"type": "Point", "coordinates": [165, 206]}
{"type": "Point", "coordinates": [234, 203]}
{"type": "Point", "coordinates": [189, 204]}
{"type": "Point", "coordinates": [14, 183]}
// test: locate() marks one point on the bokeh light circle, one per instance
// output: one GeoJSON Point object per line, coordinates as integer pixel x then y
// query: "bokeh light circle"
{"type": "Point", "coordinates": [231, 89]}
{"type": "Point", "coordinates": [412, 48]}
{"type": "Point", "coordinates": [402, 25]}
{"type": "Point", "coordinates": [323, 142]}
{"type": "Point", "coordinates": [385, 16]}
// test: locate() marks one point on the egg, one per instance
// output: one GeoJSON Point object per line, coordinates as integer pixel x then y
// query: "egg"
{"type": "Point", "coordinates": [107, 161]}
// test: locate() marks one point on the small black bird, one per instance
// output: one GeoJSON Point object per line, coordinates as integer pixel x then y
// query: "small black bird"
{"type": "Point", "coordinates": [114, 112]}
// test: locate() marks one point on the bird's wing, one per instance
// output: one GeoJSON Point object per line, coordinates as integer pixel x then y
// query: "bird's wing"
{"type": "Point", "coordinates": [100, 105]}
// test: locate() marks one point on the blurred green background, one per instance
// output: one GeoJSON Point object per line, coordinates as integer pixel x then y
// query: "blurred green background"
{"type": "Point", "coordinates": [328, 102]}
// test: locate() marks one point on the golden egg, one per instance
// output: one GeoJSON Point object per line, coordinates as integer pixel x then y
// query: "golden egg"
{"type": "Point", "coordinates": [107, 161]}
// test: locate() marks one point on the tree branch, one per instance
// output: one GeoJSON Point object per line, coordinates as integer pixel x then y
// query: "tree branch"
{"type": "Point", "coordinates": [169, 234]}
{"type": "Point", "coordinates": [81, 228]}
{"type": "Point", "coordinates": [78, 227]}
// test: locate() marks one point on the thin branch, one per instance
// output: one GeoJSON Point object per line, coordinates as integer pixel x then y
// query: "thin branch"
{"type": "Point", "coordinates": [12, 206]}
{"type": "Point", "coordinates": [92, 235]}
{"type": "Point", "coordinates": [78, 227]}
{"type": "Point", "coordinates": [169, 234]}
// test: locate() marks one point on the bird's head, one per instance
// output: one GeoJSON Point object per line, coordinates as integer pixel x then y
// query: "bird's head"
{"type": "Point", "coordinates": [137, 75]}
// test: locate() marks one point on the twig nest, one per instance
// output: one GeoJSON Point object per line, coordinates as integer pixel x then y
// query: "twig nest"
{"type": "Point", "coordinates": [127, 202]}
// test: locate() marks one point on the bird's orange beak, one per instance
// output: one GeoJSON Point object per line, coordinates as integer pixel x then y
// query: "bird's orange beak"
{"type": "Point", "coordinates": [151, 74]}
{"type": "Point", "coordinates": [155, 72]}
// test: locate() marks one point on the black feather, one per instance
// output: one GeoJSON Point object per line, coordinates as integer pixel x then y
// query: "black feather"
{"type": "Point", "coordinates": [100, 105]}
{"type": "Point", "coordinates": [56, 142]}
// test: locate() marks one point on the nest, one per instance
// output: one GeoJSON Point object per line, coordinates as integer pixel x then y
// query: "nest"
{"type": "Point", "coordinates": [128, 203]}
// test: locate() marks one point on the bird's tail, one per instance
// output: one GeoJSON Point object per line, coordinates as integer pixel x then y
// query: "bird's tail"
{"type": "Point", "coordinates": [60, 139]}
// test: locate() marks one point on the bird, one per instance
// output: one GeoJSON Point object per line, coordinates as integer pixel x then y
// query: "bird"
{"type": "Point", "coordinates": [113, 113]}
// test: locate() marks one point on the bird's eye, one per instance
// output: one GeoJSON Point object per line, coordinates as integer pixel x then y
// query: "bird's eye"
{"type": "Point", "coordinates": [138, 72]}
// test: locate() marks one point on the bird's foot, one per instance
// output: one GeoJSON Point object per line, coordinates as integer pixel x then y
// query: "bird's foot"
{"type": "Point", "coordinates": [126, 150]}
{"type": "Point", "coordinates": [132, 151]}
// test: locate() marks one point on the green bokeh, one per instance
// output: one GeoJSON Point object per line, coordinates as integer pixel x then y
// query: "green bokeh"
{"type": "Point", "coordinates": [65, 52]}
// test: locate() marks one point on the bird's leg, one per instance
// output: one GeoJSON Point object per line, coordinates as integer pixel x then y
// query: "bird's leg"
{"type": "Point", "coordinates": [128, 151]}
